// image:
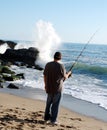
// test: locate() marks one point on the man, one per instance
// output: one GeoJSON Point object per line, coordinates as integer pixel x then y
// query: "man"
{"type": "Point", "coordinates": [54, 76]}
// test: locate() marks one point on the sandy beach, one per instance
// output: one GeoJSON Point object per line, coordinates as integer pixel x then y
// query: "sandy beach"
{"type": "Point", "coordinates": [18, 113]}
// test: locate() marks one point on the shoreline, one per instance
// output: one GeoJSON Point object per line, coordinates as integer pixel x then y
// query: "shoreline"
{"type": "Point", "coordinates": [27, 114]}
{"type": "Point", "coordinates": [85, 108]}
{"type": "Point", "coordinates": [68, 102]}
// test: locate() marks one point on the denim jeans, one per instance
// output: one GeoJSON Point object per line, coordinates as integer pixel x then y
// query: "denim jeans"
{"type": "Point", "coordinates": [52, 106]}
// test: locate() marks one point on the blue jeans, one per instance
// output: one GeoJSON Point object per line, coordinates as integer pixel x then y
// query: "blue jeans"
{"type": "Point", "coordinates": [52, 106]}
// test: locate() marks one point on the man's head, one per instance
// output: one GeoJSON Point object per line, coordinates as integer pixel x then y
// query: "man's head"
{"type": "Point", "coordinates": [57, 56]}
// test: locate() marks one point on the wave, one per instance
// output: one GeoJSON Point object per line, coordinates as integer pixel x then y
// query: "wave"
{"type": "Point", "coordinates": [84, 68]}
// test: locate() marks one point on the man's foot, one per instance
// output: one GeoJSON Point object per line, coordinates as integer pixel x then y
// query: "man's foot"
{"type": "Point", "coordinates": [55, 123]}
{"type": "Point", "coordinates": [47, 121]}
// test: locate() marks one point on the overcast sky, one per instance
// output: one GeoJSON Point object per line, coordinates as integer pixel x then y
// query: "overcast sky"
{"type": "Point", "coordinates": [73, 20]}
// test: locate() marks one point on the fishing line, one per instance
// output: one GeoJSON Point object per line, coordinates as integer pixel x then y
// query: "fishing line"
{"type": "Point", "coordinates": [76, 60]}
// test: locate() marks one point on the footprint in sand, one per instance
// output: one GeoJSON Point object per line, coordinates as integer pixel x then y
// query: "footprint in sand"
{"type": "Point", "coordinates": [2, 123]}
{"type": "Point", "coordinates": [23, 109]}
{"type": "Point", "coordinates": [17, 108]}
{"type": "Point", "coordinates": [42, 127]}
{"type": "Point", "coordinates": [70, 127]}
{"type": "Point", "coordinates": [40, 111]}
{"type": "Point", "coordinates": [78, 119]}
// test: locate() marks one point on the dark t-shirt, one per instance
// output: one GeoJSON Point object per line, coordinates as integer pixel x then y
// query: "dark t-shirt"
{"type": "Point", "coordinates": [55, 73]}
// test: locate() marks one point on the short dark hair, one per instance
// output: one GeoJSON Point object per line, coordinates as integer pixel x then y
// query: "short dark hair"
{"type": "Point", "coordinates": [57, 55]}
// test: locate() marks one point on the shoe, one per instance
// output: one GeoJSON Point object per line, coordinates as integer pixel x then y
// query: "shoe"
{"type": "Point", "coordinates": [55, 123]}
{"type": "Point", "coordinates": [47, 122]}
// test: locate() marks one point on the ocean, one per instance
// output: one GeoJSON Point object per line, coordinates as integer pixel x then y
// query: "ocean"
{"type": "Point", "coordinates": [89, 78]}
{"type": "Point", "coordinates": [89, 75]}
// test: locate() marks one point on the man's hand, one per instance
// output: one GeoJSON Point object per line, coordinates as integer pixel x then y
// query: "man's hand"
{"type": "Point", "coordinates": [69, 74]}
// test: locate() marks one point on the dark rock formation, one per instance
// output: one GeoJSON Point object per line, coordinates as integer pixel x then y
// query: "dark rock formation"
{"type": "Point", "coordinates": [8, 75]}
{"type": "Point", "coordinates": [1, 86]}
{"type": "Point", "coordinates": [2, 42]}
{"type": "Point", "coordinates": [28, 56]}
{"type": "Point", "coordinates": [12, 86]}
{"type": "Point", "coordinates": [11, 44]}
{"type": "Point", "coordinates": [5, 69]}
{"type": "Point", "coordinates": [20, 76]}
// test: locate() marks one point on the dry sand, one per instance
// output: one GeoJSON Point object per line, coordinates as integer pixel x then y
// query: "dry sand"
{"type": "Point", "coordinates": [17, 113]}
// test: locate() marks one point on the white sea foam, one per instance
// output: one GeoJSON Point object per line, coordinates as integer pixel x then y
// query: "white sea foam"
{"type": "Point", "coordinates": [87, 88]}
{"type": "Point", "coordinates": [79, 86]}
{"type": "Point", "coordinates": [3, 48]}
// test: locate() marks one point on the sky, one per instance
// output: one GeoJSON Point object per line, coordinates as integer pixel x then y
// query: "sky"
{"type": "Point", "coordinates": [73, 20]}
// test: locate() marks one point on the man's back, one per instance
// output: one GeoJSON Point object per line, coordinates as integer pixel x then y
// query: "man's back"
{"type": "Point", "coordinates": [54, 72]}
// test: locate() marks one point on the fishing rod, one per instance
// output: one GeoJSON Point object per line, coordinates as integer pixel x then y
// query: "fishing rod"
{"type": "Point", "coordinates": [83, 49]}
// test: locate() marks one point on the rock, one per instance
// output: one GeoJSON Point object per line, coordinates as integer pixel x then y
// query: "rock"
{"type": "Point", "coordinates": [21, 75]}
{"type": "Point", "coordinates": [12, 77]}
{"type": "Point", "coordinates": [11, 44]}
{"type": "Point", "coordinates": [5, 69]}
{"type": "Point", "coordinates": [2, 42]}
{"type": "Point", "coordinates": [28, 56]}
{"type": "Point", "coordinates": [12, 86]}
{"type": "Point", "coordinates": [7, 77]}
{"type": "Point", "coordinates": [1, 86]}
{"type": "Point", "coordinates": [38, 67]}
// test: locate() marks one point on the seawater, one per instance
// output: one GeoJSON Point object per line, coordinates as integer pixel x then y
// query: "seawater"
{"type": "Point", "coordinates": [89, 78]}
{"type": "Point", "coordinates": [89, 75]}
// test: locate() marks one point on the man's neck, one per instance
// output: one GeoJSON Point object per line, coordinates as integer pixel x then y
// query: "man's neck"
{"type": "Point", "coordinates": [56, 60]}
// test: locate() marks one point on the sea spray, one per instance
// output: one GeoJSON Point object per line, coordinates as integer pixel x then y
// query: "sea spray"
{"type": "Point", "coordinates": [3, 48]}
{"type": "Point", "coordinates": [25, 44]}
{"type": "Point", "coordinates": [46, 41]}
